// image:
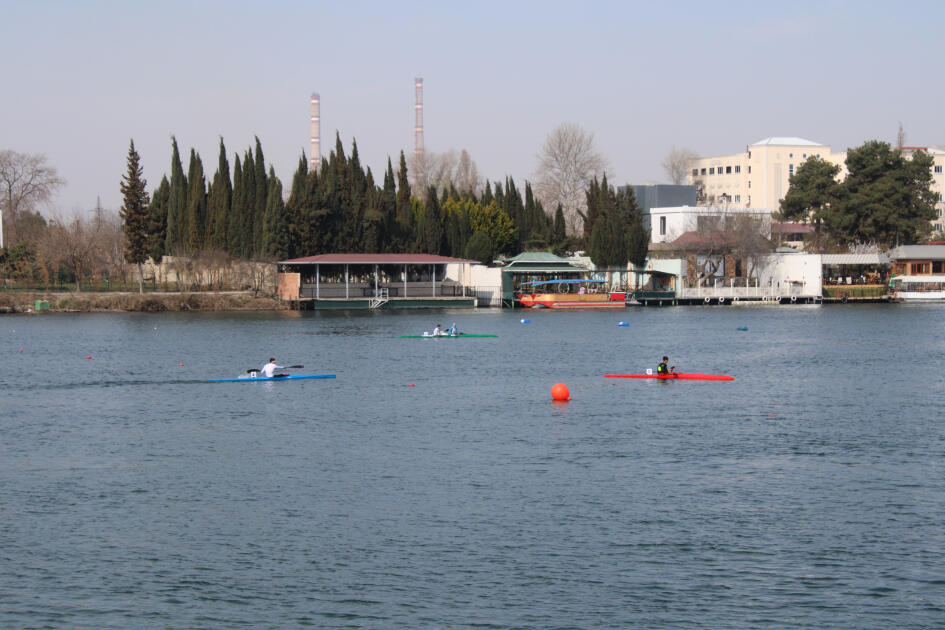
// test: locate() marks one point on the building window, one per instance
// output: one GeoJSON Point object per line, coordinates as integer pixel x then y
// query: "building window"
{"type": "Point", "coordinates": [695, 172]}
{"type": "Point", "coordinates": [711, 170]}
{"type": "Point", "coordinates": [749, 170]}
{"type": "Point", "coordinates": [790, 156]}
{"type": "Point", "coordinates": [805, 156]}
{"type": "Point", "coordinates": [749, 183]}
{"type": "Point", "coordinates": [703, 171]}
{"type": "Point", "coordinates": [938, 168]}
{"type": "Point", "coordinates": [728, 170]}
{"type": "Point", "coordinates": [940, 196]}
{"type": "Point", "coordinates": [749, 155]}
{"type": "Point", "coordinates": [662, 226]}
{"type": "Point", "coordinates": [738, 169]}
{"type": "Point", "coordinates": [790, 170]}
{"type": "Point", "coordinates": [738, 198]}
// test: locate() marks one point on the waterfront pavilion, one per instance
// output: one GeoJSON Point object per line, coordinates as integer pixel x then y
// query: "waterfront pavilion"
{"type": "Point", "coordinates": [375, 281]}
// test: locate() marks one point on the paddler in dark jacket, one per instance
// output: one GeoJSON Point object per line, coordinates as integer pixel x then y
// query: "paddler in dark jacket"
{"type": "Point", "coordinates": [663, 368]}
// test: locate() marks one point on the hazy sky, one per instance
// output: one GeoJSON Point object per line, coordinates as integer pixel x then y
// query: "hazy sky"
{"type": "Point", "coordinates": [82, 78]}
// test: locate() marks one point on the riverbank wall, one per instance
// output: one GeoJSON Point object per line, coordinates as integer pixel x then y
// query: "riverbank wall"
{"type": "Point", "coordinates": [152, 302]}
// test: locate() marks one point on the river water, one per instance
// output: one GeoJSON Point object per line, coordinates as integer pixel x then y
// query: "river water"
{"type": "Point", "coordinates": [434, 484]}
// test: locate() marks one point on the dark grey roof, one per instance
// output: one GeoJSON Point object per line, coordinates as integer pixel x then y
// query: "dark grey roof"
{"type": "Point", "coordinates": [918, 252]}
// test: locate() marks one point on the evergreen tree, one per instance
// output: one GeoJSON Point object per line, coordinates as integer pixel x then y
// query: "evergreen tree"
{"type": "Point", "coordinates": [234, 220]}
{"type": "Point", "coordinates": [157, 221]}
{"type": "Point", "coordinates": [276, 233]}
{"type": "Point", "coordinates": [176, 205]}
{"type": "Point", "coordinates": [262, 192]}
{"type": "Point", "coordinates": [886, 199]}
{"type": "Point", "coordinates": [432, 235]}
{"type": "Point", "coordinates": [480, 248]}
{"type": "Point", "coordinates": [560, 231]}
{"type": "Point", "coordinates": [405, 226]}
{"type": "Point", "coordinates": [247, 230]}
{"type": "Point", "coordinates": [218, 203]}
{"type": "Point", "coordinates": [134, 213]}
{"type": "Point", "coordinates": [387, 207]}
{"type": "Point", "coordinates": [196, 204]}
{"type": "Point", "coordinates": [294, 209]}
{"type": "Point", "coordinates": [637, 237]}
{"type": "Point", "coordinates": [487, 197]}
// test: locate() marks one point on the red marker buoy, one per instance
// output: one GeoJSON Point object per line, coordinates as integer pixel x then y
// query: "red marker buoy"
{"type": "Point", "coordinates": [411, 384]}
{"type": "Point", "coordinates": [182, 365]}
{"type": "Point", "coordinates": [89, 357]}
{"type": "Point", "coordinates": [560, 393]}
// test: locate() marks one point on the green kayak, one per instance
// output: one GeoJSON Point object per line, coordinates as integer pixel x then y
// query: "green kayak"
{"type": "Point", "coordinates": [429, 336]}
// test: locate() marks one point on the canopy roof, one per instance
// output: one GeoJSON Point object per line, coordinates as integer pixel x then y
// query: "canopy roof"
{"type": "Point", "coordinates": [877, 258]}
{"type": "Point", "coordinates": [375, 259]}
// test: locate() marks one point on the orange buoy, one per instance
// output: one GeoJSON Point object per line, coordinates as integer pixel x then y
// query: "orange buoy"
{"type": "Point", "coordinates": [560, 393]}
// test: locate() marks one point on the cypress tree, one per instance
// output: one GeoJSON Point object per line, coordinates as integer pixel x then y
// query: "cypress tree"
{"type": "Point", "coordinates": [196, 204]}
{"type": "Point", "coordinates": [405, 227]}
{"type": "Point", "coordinates": [276, 233]}
{"type": "Point", "coordinates": [234, 220]}
{"type": "Point", "coordinates": [262, 192]}
{"type": "Point", "coordinates": [218, 203]}
{"type": "Point", "coordinates": [157, 221]}
{"type": "Point", "coordinates": [560, 230]}
{"type": "Point", "coordinates": [247, 211]}
{"type": "Point", "coordinates": [176, 205]}
{"type": "Point", "coordinates": [487, 197]}
{"type": "Point", "coordinates": [387, 206]}
{"type": "Point", "coordinates": [434, 236]}
{"type": "Point", "coordinates": [294, 209]}
{"type": "Point", "coordinates": [134, 213]}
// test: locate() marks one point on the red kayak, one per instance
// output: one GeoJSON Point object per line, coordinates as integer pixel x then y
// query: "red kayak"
{"type": "Point", "coordinates": [676, 375]}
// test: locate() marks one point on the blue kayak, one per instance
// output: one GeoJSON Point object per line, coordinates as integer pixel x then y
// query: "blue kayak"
{"type": "Point", "coordinates": [252, 379]}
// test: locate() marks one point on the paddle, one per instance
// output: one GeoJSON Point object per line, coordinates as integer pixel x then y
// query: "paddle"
{"type": "Point", "coordinates": [294, 367]}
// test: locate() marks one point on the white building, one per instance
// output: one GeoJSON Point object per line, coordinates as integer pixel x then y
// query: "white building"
{"type": "Point", "coordinates": [668, 224]}
{"type": "Point", "coordinates": [760, 176]}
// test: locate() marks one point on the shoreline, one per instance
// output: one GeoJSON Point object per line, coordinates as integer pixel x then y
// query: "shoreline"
{"type": "Point", "coordinates": [133, 302]}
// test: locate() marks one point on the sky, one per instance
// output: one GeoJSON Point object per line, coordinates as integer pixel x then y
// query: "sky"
{"type": "Point", "coordinates": [82, 79]}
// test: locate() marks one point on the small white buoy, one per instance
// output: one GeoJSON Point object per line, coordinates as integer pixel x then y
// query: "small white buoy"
{"type": "Point", "coordinates": [525, 321]}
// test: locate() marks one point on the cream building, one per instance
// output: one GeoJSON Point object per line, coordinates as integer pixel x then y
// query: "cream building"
{"type": "Point", "coordinates": [759, 178]}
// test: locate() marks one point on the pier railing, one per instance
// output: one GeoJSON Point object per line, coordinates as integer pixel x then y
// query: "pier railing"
{"type": "Point", "coordinates": [357, 291]}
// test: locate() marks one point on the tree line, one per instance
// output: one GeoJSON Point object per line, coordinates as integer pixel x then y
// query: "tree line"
{"type": "Point", "coordinates": [342, 208]}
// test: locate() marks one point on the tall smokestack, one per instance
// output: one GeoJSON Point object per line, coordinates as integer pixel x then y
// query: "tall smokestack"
{"type": "Point", "coordinates": [316, 160]}
{"type": "Point", "coordinates": [418, 124]}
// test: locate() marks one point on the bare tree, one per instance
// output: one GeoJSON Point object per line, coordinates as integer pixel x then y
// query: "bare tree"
{"type": "Point", "coordinates": [676, 164]}
{"type": "Point", "coordinates": [73, 244]}
{"type": "Point", "coordinates": [443, 170]}
{"type": "Point", "coordinates": [567, 163]}
{"type": "Point", "coordinates": [740, 241]}
{"type": "Point", "coordinates": [27, 181]}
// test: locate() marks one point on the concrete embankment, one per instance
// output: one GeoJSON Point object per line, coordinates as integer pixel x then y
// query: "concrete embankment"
{"type": "Point", "coordinates": [16, 302]}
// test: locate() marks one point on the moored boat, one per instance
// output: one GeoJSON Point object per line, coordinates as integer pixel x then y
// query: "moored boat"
{"type": "Point", "coordinates": [575, 293]}
{"type": "Point", "coordinates": [930, 288]}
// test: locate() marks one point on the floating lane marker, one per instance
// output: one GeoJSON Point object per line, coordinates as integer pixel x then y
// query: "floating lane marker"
{"type": "Point", "coordinates": [560, 393]}
{"type": "Point", "coordinates": [525, 321]}
{"type": "Point", "coordinates": [624, 324]}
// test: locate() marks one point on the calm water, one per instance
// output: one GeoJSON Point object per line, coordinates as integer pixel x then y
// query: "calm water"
{"type": "Point", "coordinates": [809, 492]}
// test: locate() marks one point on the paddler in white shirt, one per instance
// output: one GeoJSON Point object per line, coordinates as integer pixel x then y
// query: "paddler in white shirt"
{"type": "Point", "coordinates": [269, 370]}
